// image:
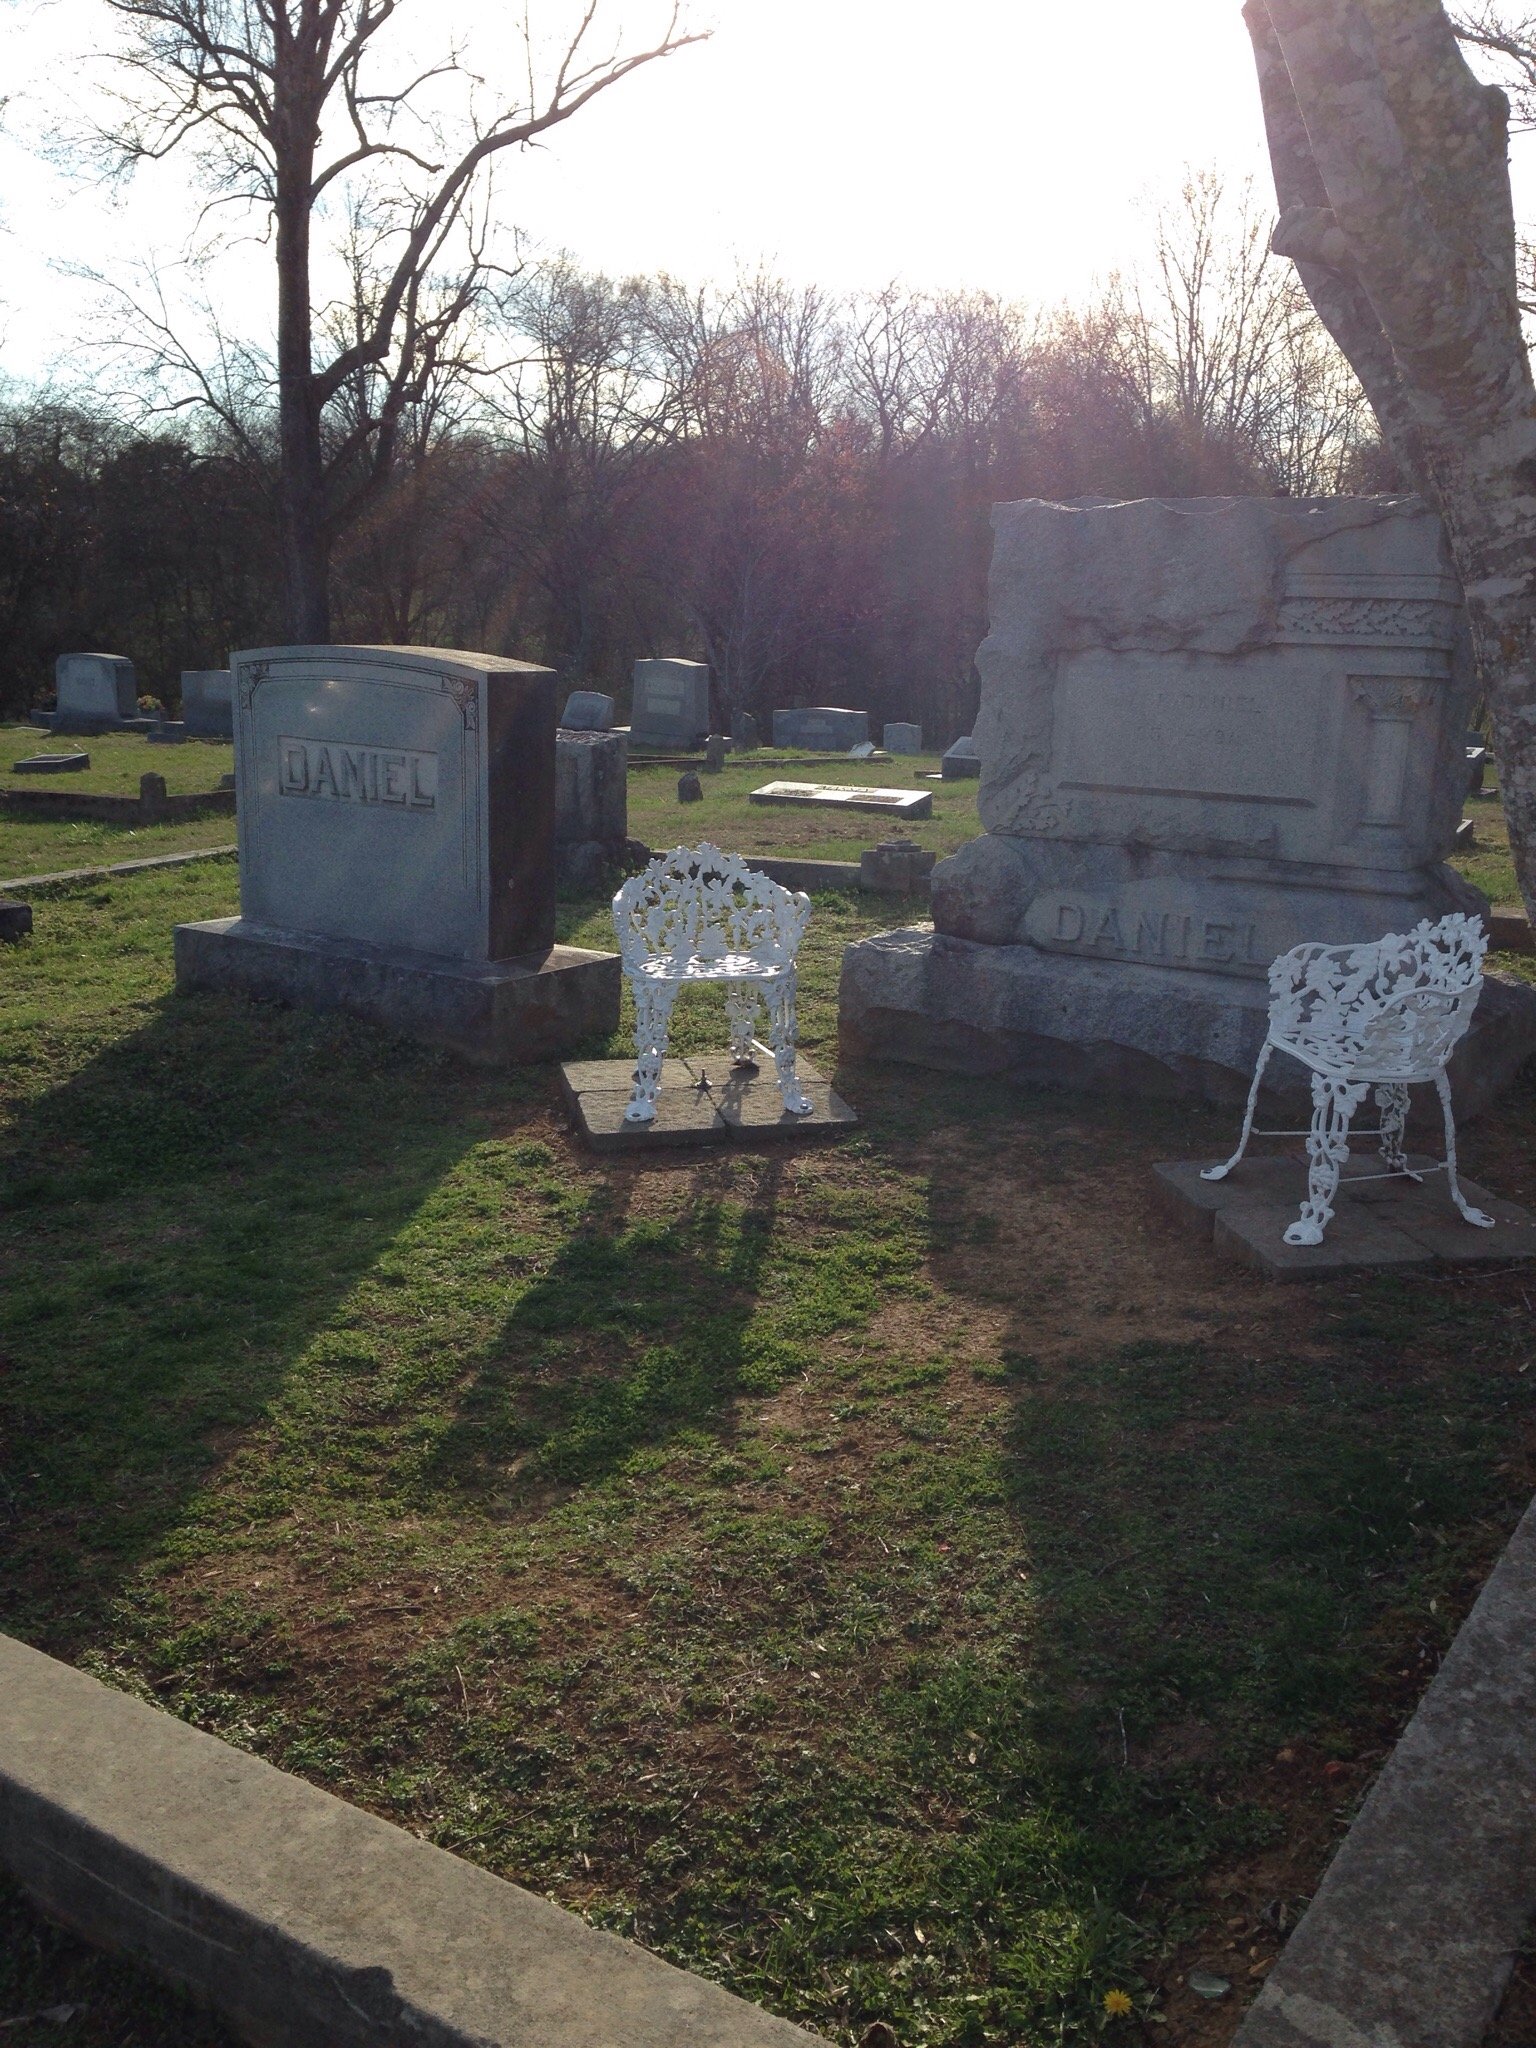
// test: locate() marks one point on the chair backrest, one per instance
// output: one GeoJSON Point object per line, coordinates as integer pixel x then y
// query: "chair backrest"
{"type": "Point", "coordinates": [1390, 1009]}
{"type": "Point", "coordinates": [699, 901]}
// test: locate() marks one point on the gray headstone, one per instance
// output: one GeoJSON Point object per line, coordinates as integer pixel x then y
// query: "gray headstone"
{"type": "Point", "coordinates": [821, 728]}
{"type": "Point", "coordinates": [587, 711]}
{"type": "Point", "coordinates": [714, 753]}
{"type": "Point", "coordinates": [591, 796]}
{"type": "Point", "coordinates": [962, 761]}
{"type": "Point", "coordinates": [207, 706]}
{"type": "Point", "coordinates": [15, 918]}
{"type": "Point", "coordinates": [689, 788]}
{"type": "Point", "coordinates": [400, 796]}
{"type": "Point", "coordinates": [669, 705]}
{"type": "Point", "coordinates": [744, 732]}
{"type": "Point", "coordinates": [95, 689]}
{"type": "Point", "coordinates": [51, 764]}
{"type": "Point", "coordinates": [863, 752]}
{"type": "Point", "coordinates": [903, 739]}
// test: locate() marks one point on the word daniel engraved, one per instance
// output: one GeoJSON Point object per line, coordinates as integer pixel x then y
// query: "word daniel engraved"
{"type": "Point", "coordinates": [1129, 930]}
{"type": "Point", "coordinates": [398, 776]}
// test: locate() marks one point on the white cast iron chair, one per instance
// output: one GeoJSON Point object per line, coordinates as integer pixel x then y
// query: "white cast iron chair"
{"type": "Point", "coordinates": [1384, 1016]}
{"type": "Point", "coordinates": [697, 915]}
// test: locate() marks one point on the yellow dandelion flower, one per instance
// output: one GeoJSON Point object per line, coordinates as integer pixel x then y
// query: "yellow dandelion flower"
{"type": "Point", "coordinates": [1117, 2004]}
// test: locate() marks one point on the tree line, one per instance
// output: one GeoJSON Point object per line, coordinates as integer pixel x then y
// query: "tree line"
{"type": "Point", "coordinates": [790, 485]}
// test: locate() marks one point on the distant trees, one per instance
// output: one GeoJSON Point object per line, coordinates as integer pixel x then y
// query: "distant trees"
{"type": "Point", "coordinates": [792, 486]}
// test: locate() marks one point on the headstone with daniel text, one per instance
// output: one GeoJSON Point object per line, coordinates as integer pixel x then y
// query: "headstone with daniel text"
{"type": "Point", "coordinates": [397, 850]}
{"type": "Point", "coordinates": [1210, 730]}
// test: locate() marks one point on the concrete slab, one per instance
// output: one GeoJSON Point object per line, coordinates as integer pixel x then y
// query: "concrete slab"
{"type": "Point", "coordinates": [1253, 1234]}
{"type": "Point", "coordinates": [902, 803]}
{"type": "Point", "coordinates": [703, 1101]}
{"type": "Point", "coordinates": [1410, 1938]}
{"type": "Point", "coordinates": [302, 1921]}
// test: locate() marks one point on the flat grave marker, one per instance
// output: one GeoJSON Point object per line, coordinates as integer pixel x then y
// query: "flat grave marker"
{"type": "Point", "coordinates": [903, 803]}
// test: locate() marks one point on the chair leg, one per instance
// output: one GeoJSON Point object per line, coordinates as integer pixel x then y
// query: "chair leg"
{"type": "Point", "coordinates": [1221, 1172]}
{"type": "Point", "coordinates": [653, 1016]}
{"type": "Point", "coordinates": [781, 1036]}
{"type": "Point", "coordinates": [741, 1005]}
{"type": "Point", "coordinates": [1477, 1216]}
{"type": "Point", "coordinates": [1392, 1101]}
{"type": "Point", "coordinates": [1334, 1102]}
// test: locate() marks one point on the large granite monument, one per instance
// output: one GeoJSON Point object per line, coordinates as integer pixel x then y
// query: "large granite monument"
{"type": "Point", "coordinates": [669, 703]}
{"type": "Point", "coordinates": [207, 703]}
{"type": "Point", "coordinates": [94, 692]}
{"type": "Point", "coordinates": [1209, 729]}
{"type": "Point", "coordinates": [397, 858]}
{"type": "Point", "coordinates": [821, 728]}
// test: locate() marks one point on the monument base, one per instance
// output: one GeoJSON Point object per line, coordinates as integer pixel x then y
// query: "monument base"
{"type": "Point", "coordinates": [497, 1012]}
{"type": "Point", "coordinates": [1059, 1021]}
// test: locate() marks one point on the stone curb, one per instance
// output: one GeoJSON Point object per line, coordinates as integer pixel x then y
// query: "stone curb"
{"type": "Point", "coordinates": [122, 867]}
{"type": "Point", "coordinates": [302, 1921]}
{"type": "Point", "coordinates": [1412, 1934]}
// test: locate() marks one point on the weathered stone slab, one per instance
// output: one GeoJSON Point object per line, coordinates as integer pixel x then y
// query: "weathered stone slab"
{"type": "Point", "coordinates": [821, 728]}
{"type": "Point", "coordinates": [397, 796]}
{"type": "Point", "coordinates": [94, 692]}
{"type": "Point", "coordinates": [903, 803]}
{"type": "Point", "coordinates": [669, 704]}
{"type": "Point", "coordinates": [961, 762]}
{"type": "Point", "coordinates": [897, 867]}
{"type": "Point", "coordinates": [51, 764]}
{"type": "Point", "coordinates": [587, 711]}
{"type": "Point", "coordinates": [494, 1012]}
{"type": "Point", "coordinates": [902, 738]}
{"type": "Point", "coordinates": [703, 1100]}
{"type": "Point", "coordinates": [591, 805]}
{"type": "Point", "coordinates": [304, 1922]}
{"type": "Point", "coordinates": [1356, 1242]}
{"type": "Point", "coordinates": [207, 703]}
{"type": "Point", "coordinates": [1411, 1935]}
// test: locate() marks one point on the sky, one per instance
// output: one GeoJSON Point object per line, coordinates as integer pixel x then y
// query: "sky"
{"type": "Point", "coordinates": [1013, 146]}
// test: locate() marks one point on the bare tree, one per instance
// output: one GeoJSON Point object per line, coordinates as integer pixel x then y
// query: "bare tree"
{"type": "Point", "coordinates": [1390, 163]}
{"type": "Point", "coordinates": [288, 105]}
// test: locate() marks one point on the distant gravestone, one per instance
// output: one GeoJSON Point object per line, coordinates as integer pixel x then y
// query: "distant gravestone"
{"type": "Point", "coordinates": [905, 803]}
{"type": "Point", "coordinates": [669, 705]}
{"type": "Point", "coordinates": [207, 706]}
{"type": "Point", "coordinates": [15, 918]}
{"type": "Point", "coordinates": [821, 729]}
{"type": "Point", "coordinates": [689, 788]}
{"type": "Point", "coordinates": [51, 764]}
{"type": "Point", "coordinates": [587, 711]}
{"type": "Point", "coordinates": [903, 739]}
{"type": "Point", "coordinates": [94, 691]}
{"type": "Point", "coordinates": [744, 736]}
{"type": "Point", "coordinates": [865, 751]}
{"type": "Point", "coordinates": [961, 761]}
{"type": "Point", "coordinates": [591, 806]}
{"type": "Point", "coordinates": [397, 851]}
{"type": "Point", "coordinates": [714, 753]}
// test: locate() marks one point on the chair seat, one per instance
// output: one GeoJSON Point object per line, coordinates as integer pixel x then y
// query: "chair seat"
{"type": "Point", "coordinates": [1334, 1060]}
{"type": "Point", "coordinates": [696, 967]}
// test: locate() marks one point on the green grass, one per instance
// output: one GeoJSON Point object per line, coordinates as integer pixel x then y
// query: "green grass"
{"type": "Point", "coordinates": [34, 847]}
{"type": "Point", "coordinates": [878, 1576]}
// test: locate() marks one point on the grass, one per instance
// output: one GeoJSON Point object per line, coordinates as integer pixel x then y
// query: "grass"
{"type": "Point", "coordinates": [904, 1580]}
{"type": "Point", "coordinates": [30, 847]}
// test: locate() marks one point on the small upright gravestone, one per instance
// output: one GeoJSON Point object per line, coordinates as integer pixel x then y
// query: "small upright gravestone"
{"type": "Point", "coordinates": [903, 739]}
{"type": "Point", "coordinates": [207, 708]}
{"type": "Point", "coordinates": [744, 733]}
{"type": "Point", "coordinates": [397, 856]}
{"type": "Point", "coordinates": [714, 753]}
{"type": "Point", "coordinates": [591, 806]}
{"type": "Point", "coordinates": [587, 711]}
{"type": "Point", "coordinates": [821, 728]}
{"type": "Point", "coordinates": [689, 788]}
{"type": "Point", "coordinates": [961, 762]}
{"type": "Point", "coordinates": [94, 692]}
{"type": "Point", "coordinates": [669, 704]}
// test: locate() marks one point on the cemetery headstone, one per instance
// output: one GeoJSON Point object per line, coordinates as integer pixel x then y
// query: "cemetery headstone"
{"type": "Point", "coordinates": [152, 795]}
{"type": "Point", "coordinates": [1477, 764]}
{"type": "Point", "coordinates": [744, 733]}
{"type": "Point", "coordinates": [397, 851]}
{"type": "Point", "coordinates": [170, 732]}
{"type": "Point", "coordinates": [904, 803]}
{"type": "Point", "coordinates": [51, 764]}
{"type": "Point", "coordinates": [863, 752]}
{"type": "Point", "coordinates": [15, 918]}
{"type": "Point", "coordinates": [961, 761]}
{"type": "Point", "coordinates": [902, 739]}
{"type": "Point", "coordinates": [207, 705]}
{"type": "Point", "coordinates": [587, 711]}
{"type": "Point", "coordinates": [821, 728]}
{"type": "Point", "coordinates": [669, 704]}
{"type": "Point", "coordinates": [689, 788]}
{"type": "Point", "coordinates": [896, 867]}
{"type": "Point", "coordinates": [1210, 729]}
{"type": "Point", "coordinates": [591, 806]}
{"type": "Point", "coordinates": [714, 753]}
{"type": "Point", "coordinates": [94, 692]}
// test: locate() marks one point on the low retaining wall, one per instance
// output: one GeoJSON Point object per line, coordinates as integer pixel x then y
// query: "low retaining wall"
{"type": "Point", "coordinates": [75, 806]}
{"type": "Point", "coordinates": [302, 1921]}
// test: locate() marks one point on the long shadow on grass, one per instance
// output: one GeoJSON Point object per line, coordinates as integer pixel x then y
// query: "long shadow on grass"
{"type": "Point", "coordinates": [176, 1221]}
{"type": "Point", "coordinates": [640, 1329]}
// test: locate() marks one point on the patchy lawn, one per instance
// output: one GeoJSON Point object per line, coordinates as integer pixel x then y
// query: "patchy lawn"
{"type": "Point", "coordinates": [906, 1579]}
{"type": "Point", "coordinates": [40, 847]}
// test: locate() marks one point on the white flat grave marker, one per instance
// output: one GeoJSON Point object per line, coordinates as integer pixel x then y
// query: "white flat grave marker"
{"type": "Point", "coordinates": [903, 803]}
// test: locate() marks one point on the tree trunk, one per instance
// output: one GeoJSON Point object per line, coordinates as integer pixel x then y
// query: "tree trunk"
{"type": "Point", "coordinates": [301, 477]}
{"type": "Point", "coordinates": [1391, 171]}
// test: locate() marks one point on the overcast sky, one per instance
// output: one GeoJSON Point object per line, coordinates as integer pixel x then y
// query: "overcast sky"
{"type": "Point", "coordinates": [1008, 145]}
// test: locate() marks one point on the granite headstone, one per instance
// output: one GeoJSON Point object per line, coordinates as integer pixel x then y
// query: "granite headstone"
{"type": "Point", "coordinates": [821, 728]}
{"type": "Point", "coordinates": [961, 762]}
{"type": "Point", "coordinates": [207, 703]}
{"type": "Point", "coordinates": [902, 739]}
{"type": "Point", "coordinates": [669, 703]}
{"type": "Point", "coordinates": [587, 711]}
{"type": "Point", "coordinates": [396, 827]}
{"type": "Point", "coordinates": [94, 691]}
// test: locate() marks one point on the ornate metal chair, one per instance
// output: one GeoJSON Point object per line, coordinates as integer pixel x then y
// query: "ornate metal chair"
{"type": "Point", "coordinates": [697, 915]}
{"type": "Point", "coordinates": [1383, 1016]}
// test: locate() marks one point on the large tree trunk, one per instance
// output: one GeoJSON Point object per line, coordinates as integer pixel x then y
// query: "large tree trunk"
{"type": "Point", "coordinates": [1390, 163]}
{"type": "Point", "coordinates": [301, 477]}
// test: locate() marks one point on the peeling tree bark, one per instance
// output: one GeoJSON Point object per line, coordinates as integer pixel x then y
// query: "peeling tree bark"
{"type": "Point", "coordinates": [1391, 172]}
